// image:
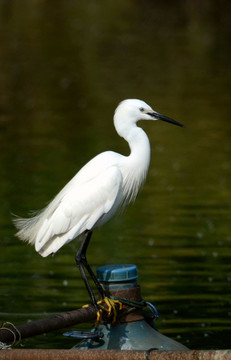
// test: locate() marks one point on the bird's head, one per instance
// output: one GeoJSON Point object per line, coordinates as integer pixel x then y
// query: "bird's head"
{"type": "Point", "coordinates": [130, 111]}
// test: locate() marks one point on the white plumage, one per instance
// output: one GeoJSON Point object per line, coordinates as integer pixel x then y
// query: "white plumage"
{"type": "Point", "coordinates": [106, 183]}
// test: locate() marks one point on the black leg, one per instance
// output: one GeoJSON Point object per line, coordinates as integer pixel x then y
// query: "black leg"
{"type": "Point", "coordinates": [82, 263]}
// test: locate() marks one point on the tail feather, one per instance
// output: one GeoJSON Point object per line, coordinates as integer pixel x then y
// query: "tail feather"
{"type": "Point", "coordinates": [28, 227]}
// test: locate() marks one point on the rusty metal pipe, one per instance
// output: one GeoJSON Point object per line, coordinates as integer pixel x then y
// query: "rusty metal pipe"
{"type": "Point", "coordinates": [74, 317]}
{"type": "Point", "coordinates": [51, 354]}
{"type": "Point", "coordinates": [41, 326]}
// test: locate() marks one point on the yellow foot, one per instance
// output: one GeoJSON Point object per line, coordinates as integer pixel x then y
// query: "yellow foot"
{"type": "Point", "coordinates": [110, 307]}
{"type": "Point", "coordinates": [99, 315]}
{"type": "Point", "coordinates": [107, 305]}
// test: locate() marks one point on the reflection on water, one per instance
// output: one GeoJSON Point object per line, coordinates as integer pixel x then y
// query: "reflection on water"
{"type": "Point", "coordinates": [63, 70]}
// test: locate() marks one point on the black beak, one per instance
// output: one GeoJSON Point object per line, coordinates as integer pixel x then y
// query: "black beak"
{"type": "Point", "coordinates": [158, 116]}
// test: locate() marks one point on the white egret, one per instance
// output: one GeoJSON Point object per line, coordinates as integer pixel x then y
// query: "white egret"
{"type": "Point", "coordinates": [106, 183]}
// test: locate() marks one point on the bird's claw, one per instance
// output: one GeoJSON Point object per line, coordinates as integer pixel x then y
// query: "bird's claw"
{"type": "Point", "coordinates": [99, 314]}
{"type": "Point", "coordinates": [110, 307]}
{"type": "Point", "coordinates": [107, 305]}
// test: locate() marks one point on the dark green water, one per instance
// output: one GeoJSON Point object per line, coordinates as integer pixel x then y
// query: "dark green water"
{"type": "Point", "coordinates": [64, 66]}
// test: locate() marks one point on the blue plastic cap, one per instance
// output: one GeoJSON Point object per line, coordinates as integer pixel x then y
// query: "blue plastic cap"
{"type": "Point", "coordinates": [117, 273]}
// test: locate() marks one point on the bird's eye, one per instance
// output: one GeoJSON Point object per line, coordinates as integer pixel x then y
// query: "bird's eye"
{"type": "Point", "coordinates": [142, 109]}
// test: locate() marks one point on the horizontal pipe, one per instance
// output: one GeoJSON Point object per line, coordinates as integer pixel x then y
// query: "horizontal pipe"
{"type": "Point", "coordinates": [41, 326]}
{"type": "Point", "coordinates": [65, 320]}
{"type": "Point", "coordinates": [51, 354]}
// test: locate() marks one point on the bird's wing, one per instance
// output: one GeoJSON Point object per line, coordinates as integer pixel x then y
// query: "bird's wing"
{"type": "Point", "coordinates": [80, 209]}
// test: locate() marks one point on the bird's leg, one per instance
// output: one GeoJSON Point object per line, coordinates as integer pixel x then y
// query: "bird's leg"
{"type": "Point", "coordinates": [82, 263]}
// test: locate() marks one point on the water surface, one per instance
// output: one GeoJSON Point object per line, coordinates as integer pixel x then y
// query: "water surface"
{"type": "Point", "coordinates": [63, 70]}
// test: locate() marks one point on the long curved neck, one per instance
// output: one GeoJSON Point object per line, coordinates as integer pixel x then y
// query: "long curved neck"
{"type": "Point", "coordinates": [140, 147]}
{"type": "Point", "coordinates": [137, 163]}
{"type": "Point", "coordinates": [134, 135]}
